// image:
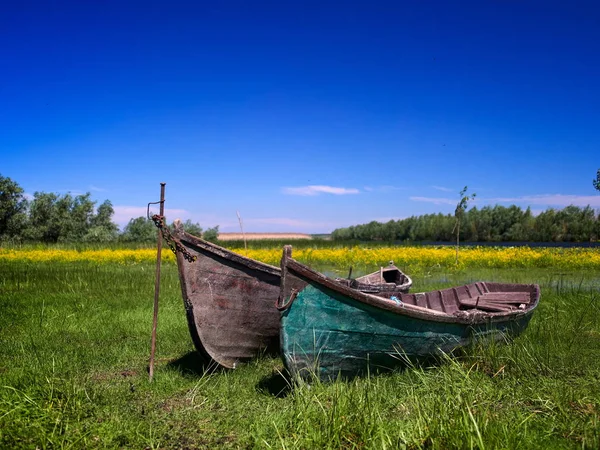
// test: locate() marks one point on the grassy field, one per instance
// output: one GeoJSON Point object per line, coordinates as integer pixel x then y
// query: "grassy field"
{"type": "Point", "coordinates": [74, 346]}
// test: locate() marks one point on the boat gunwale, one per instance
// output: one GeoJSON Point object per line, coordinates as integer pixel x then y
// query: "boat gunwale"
{"type": "Point", "coordinates": [470, 317]}
{"type": "Point", "coordinates": [189, 239]}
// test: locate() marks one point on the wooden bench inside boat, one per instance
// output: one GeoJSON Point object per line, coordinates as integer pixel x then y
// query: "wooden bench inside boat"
{"type": "Point", "coordinates": [497, 301]}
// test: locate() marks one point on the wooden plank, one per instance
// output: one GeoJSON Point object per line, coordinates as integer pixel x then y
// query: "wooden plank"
{"type": "Point", "coordinates": [469, 291]}
{"type": "Point", "coordinates": [506, 297]}
{"type": "Point", "coordinates": [487, 306]}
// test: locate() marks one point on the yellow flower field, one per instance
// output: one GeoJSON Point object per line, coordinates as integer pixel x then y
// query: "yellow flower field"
{"type": "Point", "coordinates": [506, 257]}
{"type": "Point", "coordinates": [97, 256]}
{"type": "Point", "coordinates": [490, 257]}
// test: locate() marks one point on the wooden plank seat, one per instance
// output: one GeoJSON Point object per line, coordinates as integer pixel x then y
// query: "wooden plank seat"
{"type": "Point", "coordinates": [496, 301]}
{"type": "Point", "coordinates": [486, 306]}
{"type": "Point", "coordinates": [506, 297]}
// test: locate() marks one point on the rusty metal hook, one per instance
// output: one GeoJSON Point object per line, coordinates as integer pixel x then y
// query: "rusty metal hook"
{"type": "Point", "coordinates": [282, 305]}
{"type": "Point", "coordinates": [148, 208]}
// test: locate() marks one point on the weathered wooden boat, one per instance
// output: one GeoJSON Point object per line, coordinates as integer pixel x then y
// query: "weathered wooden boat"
{"type": "Point", "coordinates": [229, 301]}
{"type": "Point", "coordinates": [386, 279]}
{"type": "Point", "coordinates": [329, 329]}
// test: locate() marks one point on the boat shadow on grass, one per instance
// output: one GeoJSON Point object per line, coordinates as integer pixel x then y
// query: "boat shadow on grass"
{"type": "Point", "coordinates": [193, 365]}
{"type": "Point", "coordinates": [280, 383]}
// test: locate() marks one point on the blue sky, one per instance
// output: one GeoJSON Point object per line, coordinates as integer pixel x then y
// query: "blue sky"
{"type": "Point", "coordinates": [303, 116]}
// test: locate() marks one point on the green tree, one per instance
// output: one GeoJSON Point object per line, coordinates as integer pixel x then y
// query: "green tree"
{"type": "Point", "coordinates": [13, 208]}
{"type": "Point", "coordinates": [522, 225]}
{"type": "Point", "coordinates": [103, 217]}
{"type": "Point", "coordinates": [211, 234]}
{"type": "Point", "coordinates": [40, 227]}
{"type": "Point", "coordinates": [59, 218]}
{"type": "Point", "coordinates": [139, 229]}
{"type": "Point", "coordinates": [575, 224]}
{"type": "Point", "coordinates": [596, 182]}
{"type": "Point", "coordinates": [405, 228]}
{"type": "Point", "coordinates": [546, 227]}
{"type": "Point", "coordinates": [459, 213]}
{"type": "Point", "coordinates": [491, 224]}
{"type": "Point", "coordinates": [388, 231]}
{"type": "Point", "coordinates": [102, 228]}
{"type": "Point", "coordinates": [79, 217]}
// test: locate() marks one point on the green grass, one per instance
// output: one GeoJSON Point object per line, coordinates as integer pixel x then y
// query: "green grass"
{"type": "Point", "coordinates": [74, 348]}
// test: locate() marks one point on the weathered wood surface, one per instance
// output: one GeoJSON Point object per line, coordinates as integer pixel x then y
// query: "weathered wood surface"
{"type": "Point", "coordinates": [330, 329]}
{"type": "Point", "coordinates": [229, 301]}
{"type": "Point", "coordinates": [387, 279]}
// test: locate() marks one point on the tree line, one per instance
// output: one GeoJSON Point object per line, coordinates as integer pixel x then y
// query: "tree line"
{"type": "Point", "coordinates": [488, 224]}
{"type": "Point", "coordinates": [52, 218]}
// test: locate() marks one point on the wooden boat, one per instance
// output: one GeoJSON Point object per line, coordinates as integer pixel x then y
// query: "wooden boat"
{"type": "Point", "coordinates": [330, 330]}
{"type": "Point", "coordinates": [387, 279]}
{"type": "Point", "coordinates": [229, 301]}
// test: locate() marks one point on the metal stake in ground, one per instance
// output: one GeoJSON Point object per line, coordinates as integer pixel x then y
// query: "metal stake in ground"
{"type": "Point", "coordinates": [157, 282]}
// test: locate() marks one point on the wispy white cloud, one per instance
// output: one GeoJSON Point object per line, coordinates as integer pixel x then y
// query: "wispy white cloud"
{"type": "Point", "coordinates": [316, 190]}
{"type": "Point", "coordinates": [441, 188]}
{"type": "Point", "coordinates": [384, 188]}
{"type": "Point", "coordinates": [434, 200]}
{"type": "Point", "coordinates": [547, 200]}
{"type": "Point", "coordinates": [550, 200]}
{"type": "Point", "coordinates": [97, 189]}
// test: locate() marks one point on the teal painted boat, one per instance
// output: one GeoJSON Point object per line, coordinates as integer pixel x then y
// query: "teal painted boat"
{"type": "Point", "coordinates": [329, 329]}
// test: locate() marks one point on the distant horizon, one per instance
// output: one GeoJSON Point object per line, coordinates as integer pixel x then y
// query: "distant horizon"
{"type": "Point", "coordinates": [125, 214]}
{"type": "Point", "coordinates": [472, 203]}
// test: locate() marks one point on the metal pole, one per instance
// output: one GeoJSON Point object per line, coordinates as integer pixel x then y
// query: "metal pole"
{"type": "Point", "coordinates": [157, 281]}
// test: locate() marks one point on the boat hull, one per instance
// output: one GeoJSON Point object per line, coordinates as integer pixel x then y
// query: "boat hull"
{"type": "Point", "coordinates": [326, 334]}
{"type": "Point", "coordinates": [329, 329]}
{"type": "Point", "coordinates": [229, 302]}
